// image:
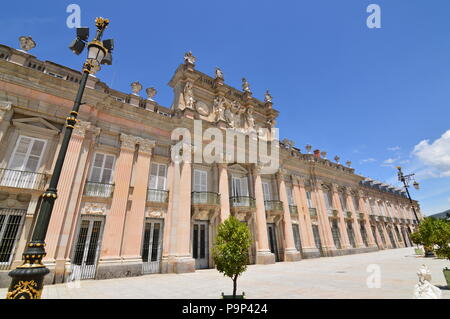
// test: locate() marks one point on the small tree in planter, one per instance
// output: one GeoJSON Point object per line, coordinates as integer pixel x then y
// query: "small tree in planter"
{"type": "Point", "coordinates": [424, 235]}
{"type": "Point", "coordinates": [441, 239]}
{"type": "Point", "coordinates": [231, 249]}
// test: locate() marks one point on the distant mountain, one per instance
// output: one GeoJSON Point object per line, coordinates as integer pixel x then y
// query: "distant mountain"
{"type": "Point", "coordinates": [442, 215]}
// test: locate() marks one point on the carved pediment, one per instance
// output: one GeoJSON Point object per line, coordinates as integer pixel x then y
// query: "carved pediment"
{"type": "Point", "coordinates": [237, 168]}
{"type": "Point", "coordinates": [36, 123]}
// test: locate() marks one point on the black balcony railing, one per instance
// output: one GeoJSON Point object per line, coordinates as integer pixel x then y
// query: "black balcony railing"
{"type": "Point", "coordinates": [274, 205]}
{"type": "Point", "coordinates": [22, 179]}
{"type": "Point", "coordinates": [206, 198]}
{"type": "Point", "coordinates": [242, 201]}
{"type": "Point", "coordinates": [157, 195]}
{"type": "Point", "coordinates": [94, 189]}
{"type": "Point", "coordinates": [293, 209]}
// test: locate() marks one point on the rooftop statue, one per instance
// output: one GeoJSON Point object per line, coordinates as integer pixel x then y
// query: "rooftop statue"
{"type": "Point", "coordinates": [267, 97]}
{"type": "Point", "coordinates": [246, 85]}
{"type": "Point", "coordinates": [219, 73]}
{"type": "Point", "coordinates": [189, 58]}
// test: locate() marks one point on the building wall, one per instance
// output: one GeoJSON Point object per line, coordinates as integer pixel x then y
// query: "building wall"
{"type": "Point", "coordinates": [110, 203]}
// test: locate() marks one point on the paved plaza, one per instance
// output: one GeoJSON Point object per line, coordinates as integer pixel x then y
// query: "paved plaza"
{"type": "Point", "coordinates": [334, 277]}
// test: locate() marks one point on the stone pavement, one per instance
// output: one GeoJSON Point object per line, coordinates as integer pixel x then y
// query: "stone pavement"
{"type": "Point", "coordinates": [331, 277]}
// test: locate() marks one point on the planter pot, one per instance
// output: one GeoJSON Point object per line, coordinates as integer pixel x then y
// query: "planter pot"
{"type": "Point", "coordinates": [446, 272]}
{"type": "Point", "coordinates": [231, 296]}
{"type": "Point", "coordinates": [429, 253]}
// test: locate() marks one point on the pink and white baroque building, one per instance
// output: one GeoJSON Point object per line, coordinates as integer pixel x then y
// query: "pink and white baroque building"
{"type": "Point", "coordinates": [125, 208]}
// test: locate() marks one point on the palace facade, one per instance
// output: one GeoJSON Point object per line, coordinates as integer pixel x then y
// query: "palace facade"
{"type": "Point", "coordinates": [124, 208]}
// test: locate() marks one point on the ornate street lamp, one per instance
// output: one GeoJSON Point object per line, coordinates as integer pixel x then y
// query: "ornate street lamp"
{"type": "Point", "coordinates": [406, 179]}
{"type": "Point", "coordinates": [28, 279]}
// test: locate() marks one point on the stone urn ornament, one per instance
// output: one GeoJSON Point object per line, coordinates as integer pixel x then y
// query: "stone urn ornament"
{"type": "Point", "coordinates": [337, 159]}
{"type": "Point", "coordinates": [151, 92]}
{"type": "Point", "coordinates": [136, 87]}
{"type": "Point", "coordinates": [26, 43]}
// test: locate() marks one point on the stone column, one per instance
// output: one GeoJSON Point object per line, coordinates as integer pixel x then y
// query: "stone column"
{"type": "Point", "coordinates": [328, 246]}
{"type": "Point", "coordinates": [290, 252]}
{"type": "Point", "coordinates": [65, 189]}
{"type": "Point", "coordinates": [224, 192]}
{"type": "Point", "coordinates": [365, 211]}
{"type": "Point", "coordinates": [5, 116]}
{"type": "Point", "coordinates": [356, 227]}
{"type": "Point", "coordinates": [263, 253]}
{"type": "Point", "coordinates": [345, 242]}
{"type": "Point", "coordinates": [110, 264]}
{"type": "Point", "coordinates": [304, 219]}
{"type": "Point", "coordinates": [132, 238]}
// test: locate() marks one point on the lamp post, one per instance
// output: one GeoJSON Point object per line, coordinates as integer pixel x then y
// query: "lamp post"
{"type": "Point", "coordinates": [406, 179]}
{"type": "Point", "coordinates": [28, 279]}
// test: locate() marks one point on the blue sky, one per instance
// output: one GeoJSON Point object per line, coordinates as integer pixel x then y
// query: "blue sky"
{"type": "Point", "coordinates": [377, 97]}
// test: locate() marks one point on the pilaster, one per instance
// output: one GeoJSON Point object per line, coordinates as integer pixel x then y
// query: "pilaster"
{"type": "Point", "coordinates": [290, 252]}
{"type": "Point", "coordinates": [263, 253]}
{"type": "Point", "coordinates": [132, 238]}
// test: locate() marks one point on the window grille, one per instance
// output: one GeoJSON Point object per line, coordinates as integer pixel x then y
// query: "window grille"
{"type": "Point", "coordinates": [11, 223]}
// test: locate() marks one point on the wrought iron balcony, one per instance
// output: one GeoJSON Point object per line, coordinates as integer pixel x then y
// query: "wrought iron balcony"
{"type": "Point", "coordinates": [332, 212]}
{"type": "Point", "coordinates": [157, 195]}
{"type": "Point", "coordinates": [293, 209]}
{"type": "Point", "coordinates": [205, 198]}
{"type": "Point", "coordinates": [273, 205]}
{"type": "Point", "coordinates": [313, 212]}
{"type": "Point", "coordinates": [361, 216]}
{"type": "Point", "coordinates": [349, 214]}
{"type": "Point", "coordinates": [94, 189]}
{"type": "Point", "coordinates": [242, 201]}
{"type": "Point", "coordinates": [22, 179]}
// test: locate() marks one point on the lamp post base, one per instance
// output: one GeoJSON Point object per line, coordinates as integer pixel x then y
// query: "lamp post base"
{"type": "Point", "coordinates": [27, 282]}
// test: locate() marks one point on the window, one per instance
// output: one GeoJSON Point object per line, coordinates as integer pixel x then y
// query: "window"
{"type": "Point", "coordinates": [266, 191]}
{"type": "Point", "coordinates": [201, 185]}
{"type": "Point", "coordinates": [296, 231]}
{"type": "Point", "coordinates": [102, 168]}
{"type": "Point", "coordinates": [364, 233]}
{"type": "Point", "coordinates": [309, 200]}
{"type": "Point", "coordinates": [336, 234]}
{"type": "Point", "coordinates": [158, 176]}
{"type": "Point", "coordinates": [11, 221]}
{"type": "Point", "coordinates": [317, 240]}
{"type": "Point", "coordinates": [239, 186]}
{"type": "Point", "coordinates": [343, 202]}
{"type": "Point", "coordinates": [355, 203]}
{"type": "Point", "coordinates": [290, 196]}
{"type": "Point", "coordinates": [351, 234]}
{"type": "Point", "coordinates": [27, 154]}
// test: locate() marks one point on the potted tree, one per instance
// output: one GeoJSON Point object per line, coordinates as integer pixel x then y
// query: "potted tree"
{"type": "Point", "coordinates": [230, 251]}
{"type": "Point", "coordinates": [424, 235]}
{"type": "Point", "coordinates": [442, 241]}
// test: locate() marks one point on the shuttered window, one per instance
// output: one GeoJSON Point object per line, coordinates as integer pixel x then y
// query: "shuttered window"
{"type": "Point", "coordinates": [290, 196]}
{"type": "Point", "coordinates": [239, 186]}
{"type": "Point", "coordinates": [309, 200]}
{"type": "Point", "coordinates": [102, 168]}
{"type": "Point", "coordinates": [27, 154]}
{"type": "Point", "coordinates": [266, 191]}
{"type": "Point", "coordinates": [158, 176]}
{"type": "Point", "coordinates": [200, 181]}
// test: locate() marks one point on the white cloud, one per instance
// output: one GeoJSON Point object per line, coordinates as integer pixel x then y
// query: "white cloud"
{"type": "Point", "coordinates": [368, 160]}
{"type": "Point", "coordinates": [394, 148]}
{"type": "Point", "coordinates": [435, 156]}
{"type": "Point", "coordinates": [391, 160]}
